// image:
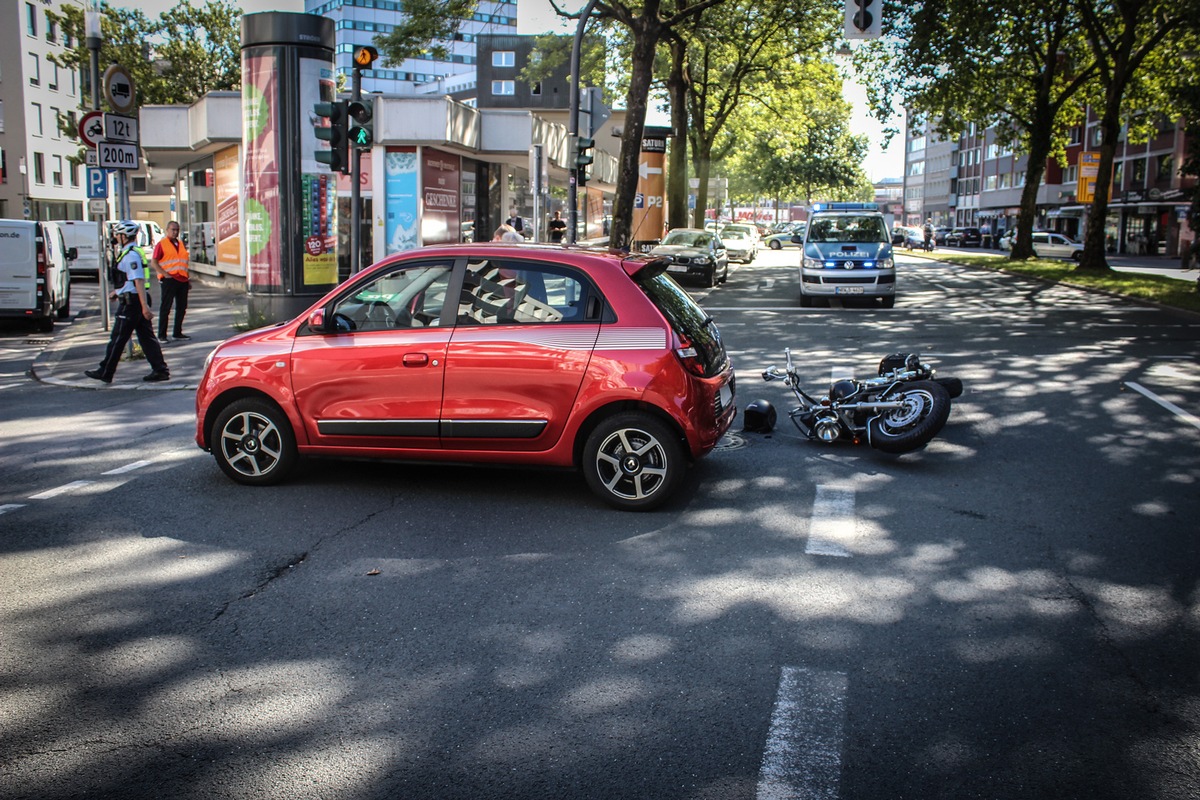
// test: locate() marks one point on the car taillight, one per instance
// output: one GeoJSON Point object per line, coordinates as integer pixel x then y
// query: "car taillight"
{"type": "Point", "coordinates": [41, 257]}
{"type": "Point", "coordinates": [689, 356]}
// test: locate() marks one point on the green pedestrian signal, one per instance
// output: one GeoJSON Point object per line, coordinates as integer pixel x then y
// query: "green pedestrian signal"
{"type": "Point", "coordinates": [330, 126]}
{"type": "Point", "coordinates": [362, 124]}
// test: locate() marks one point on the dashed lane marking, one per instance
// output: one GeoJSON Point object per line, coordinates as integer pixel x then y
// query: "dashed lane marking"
{"type": "Point", "coordinates": [64, 489]}
{"type": "Point", "coordinates": [833, 524]}
{"type": "Point", "coordinates": [4, 509]}
{"type": "Point", "coordinates": [1190, 419]}
{"type": "Point", "coordinates": [803, 756]}
{"type": "Point", "coordinates": [126, 468]}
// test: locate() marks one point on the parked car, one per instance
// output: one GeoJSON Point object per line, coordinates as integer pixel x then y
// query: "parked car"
{"type": "Point", "coordinates": [739, 245]}
{"type": "Point", "coordinates": [791, 236]}
{"type": "Point", "coordinates": [908, 237]}
{"type": "Point", "coordinates": [964, 237]}
{"type": "Point", "coordinates": [1056, 245]}
{"type": "Point", "coordinates": [485, 353]}
{"type": "Point", "coordinates": [740, 227]}
{"type": "Point", "coordinates": [35, 272]}
{"type": "Point", "coordinates": [693, 253]}
{"type": "Point", "coordinates": [940, 234]}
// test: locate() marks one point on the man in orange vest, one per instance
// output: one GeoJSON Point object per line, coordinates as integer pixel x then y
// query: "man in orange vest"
{"type": "Point", "coordinates": [170, 261]}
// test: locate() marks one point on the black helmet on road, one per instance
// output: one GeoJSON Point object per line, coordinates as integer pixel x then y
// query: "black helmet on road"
{"type": "Point", "coordinates": [759, 417]}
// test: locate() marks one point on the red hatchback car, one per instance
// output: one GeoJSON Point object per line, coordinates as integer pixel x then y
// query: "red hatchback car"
{"type": "Point", "coordinates": [486, 353]}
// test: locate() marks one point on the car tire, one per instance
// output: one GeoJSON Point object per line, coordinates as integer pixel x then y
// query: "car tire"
{"type": "Point", "coordinates": [64, 310]}
{"type": "Point", "coordinates": [888, 301]}
{"type": "Point", "coordinates": [253, 442]}
{"type": "Point", "coordinates": [1077, 255]}
{"type": "Point", "coordinates": [710, 280]}
{"type": "Point", "coordinates": [633, 462]}
{"type": "Point", "coordinates": [806, 300]}
{"type": "Point", "coordinates": [774, 245]}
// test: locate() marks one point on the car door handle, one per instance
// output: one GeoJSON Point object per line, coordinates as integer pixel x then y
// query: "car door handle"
{"type": "Point", "coordinates": [415, 359]}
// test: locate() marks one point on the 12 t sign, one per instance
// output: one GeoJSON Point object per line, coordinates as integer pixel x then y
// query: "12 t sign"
{"type": "Point", "coordinates": [117, 155]}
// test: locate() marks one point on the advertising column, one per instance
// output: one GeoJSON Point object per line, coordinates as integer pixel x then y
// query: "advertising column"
{"type": "Point", "coordinates": [288, 199]}
{"type": "Point", "coordinates": [650, 198]}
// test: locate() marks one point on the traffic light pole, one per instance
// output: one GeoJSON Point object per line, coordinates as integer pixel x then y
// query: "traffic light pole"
{"type": "Point", "coordinates": [355, 189]}
{"type": "Point", "coordinates": [573, 126]}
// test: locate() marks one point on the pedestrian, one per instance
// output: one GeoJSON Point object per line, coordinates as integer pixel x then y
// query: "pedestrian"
{"type": "Point", "coordinates": [170, 262]}
{"type": "Point", "coordinates": [506, 233]}
{"type": "Point", "coordinates": [557, 227]}
{"type": "Point", "coordinates": [134, 314]}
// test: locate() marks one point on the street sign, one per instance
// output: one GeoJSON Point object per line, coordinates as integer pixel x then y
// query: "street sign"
{"type": "Point", "coordinates": [97, 208]}
{"type": "Point", "coordinates": [89, 157]}
{"type": "Point", "coordinates": [118, 88]}
{"type": "Point", "coordinates": [97, 183]}
{"type": "Point", "coordinates": [91, 128]}
{"type": "Point", "coordinates": [117, 155]}
{"type": "Point", "coordinates": [120, 128]}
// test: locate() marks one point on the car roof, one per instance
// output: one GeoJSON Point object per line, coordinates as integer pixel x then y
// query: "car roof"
{"type": "Point", "coordinates": [630, 263]}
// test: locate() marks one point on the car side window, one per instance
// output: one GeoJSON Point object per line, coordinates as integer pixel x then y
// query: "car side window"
{"type": "Point", "coordinates": [1040, 238]}
{"type": "Point", "coordinates": [406, 297]}
{"type": "Point", "coordinates": [518, 293]}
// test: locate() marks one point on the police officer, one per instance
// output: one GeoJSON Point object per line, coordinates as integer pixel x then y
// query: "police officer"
{"type": "Point", "coordinates": [133, 312]}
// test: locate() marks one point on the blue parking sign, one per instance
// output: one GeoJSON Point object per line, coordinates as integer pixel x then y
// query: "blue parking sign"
{"type": "Point", "coordinates": [97, 183]}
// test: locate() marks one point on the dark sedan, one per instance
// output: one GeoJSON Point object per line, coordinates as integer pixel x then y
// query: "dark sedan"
{"type": "Point", "coordinates": [964, 237]}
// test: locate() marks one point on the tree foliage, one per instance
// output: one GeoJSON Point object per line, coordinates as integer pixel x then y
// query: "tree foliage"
{"type": "Point", "coordinates": [424, 28]}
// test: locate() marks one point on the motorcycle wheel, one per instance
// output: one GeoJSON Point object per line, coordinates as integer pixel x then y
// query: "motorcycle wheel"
{"type": "Point", "coordinates": [925, 409]}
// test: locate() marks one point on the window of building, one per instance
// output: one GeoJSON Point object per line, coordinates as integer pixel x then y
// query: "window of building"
{"type": "Point", "coordinates": [39, 168]}
{"type": "Point", "coordinates": [35, 70]}
{"type": "Point", "coordinates": [1076, 134]}
{"type": "Point", "coordinates": [1166, 163]}
{"type": "Point", "coordinates": [504, 88]}
{"type": "Point", "coordinates": [504, 58]}
{"type": "Point", "coordinates": [35, 122]}
{"type": "Point", "coordinates": [57, 174]}
{"type": "Point", "coordinates": [73, 170]}
{"type": "Point", "coordinates": [917, 143]}
{"type": "Point", "coordinates": [51, 30]}
{"type": "Point", "coordinates": [30, 19]}
{"type": "Point", "coordinates": [52, 79]}
{"type": "Point", "coordinates": [137, 184]}
{"type": "Point", "coordinates": [1072, 174]}
{"type": "Point", "coordinates": [1, 116]}
{"type": "Point", "coordinates": [536, 91]}
{"type": "Point", "coordinates": [990, 183]}
{"type": "Point", "coordinates": [1118, 172]}
{"type": "Point", "coordinates": [1137, 172]}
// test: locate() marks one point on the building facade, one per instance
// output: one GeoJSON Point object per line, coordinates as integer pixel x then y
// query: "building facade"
{"type": "Point", "coordinates": [37, 179]}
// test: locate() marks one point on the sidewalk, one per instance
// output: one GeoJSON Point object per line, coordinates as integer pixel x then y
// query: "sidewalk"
{"type": "Point", "coordinates": [1142, 265]}
{"type": "Point", "coordinates": [213, 314]}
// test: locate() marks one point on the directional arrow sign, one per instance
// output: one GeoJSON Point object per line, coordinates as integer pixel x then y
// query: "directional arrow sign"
{"type": "Point", "coordinates": [645, 170]}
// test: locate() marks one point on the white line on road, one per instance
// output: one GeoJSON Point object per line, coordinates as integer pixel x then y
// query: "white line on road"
{"type": "Point", "coordinates": [1190, 419]}
{"type": "Point", "coordinates": [803, 756]}
{"type": "Point", "coordinates": [4, 509]}
{"type": "Point", "coordinates": [66, 487]}
{"type": "Point", "coordinates": [833, 523]}
{"type": "Point", "coordinates": [126, 468]}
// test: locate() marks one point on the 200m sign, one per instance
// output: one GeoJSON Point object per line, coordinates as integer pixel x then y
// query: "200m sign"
{"type": "Point", "coordinates": [117, 155]}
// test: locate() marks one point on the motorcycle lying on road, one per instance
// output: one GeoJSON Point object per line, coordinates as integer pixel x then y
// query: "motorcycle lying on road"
{"type": "Point", "coordinates": [897, 412]}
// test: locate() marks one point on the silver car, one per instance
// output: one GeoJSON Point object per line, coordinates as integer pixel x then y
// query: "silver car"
{"type": "Point", "coordinates": [1056, 245]}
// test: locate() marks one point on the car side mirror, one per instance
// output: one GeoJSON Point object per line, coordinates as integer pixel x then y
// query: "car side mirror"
{"type": "Point", "coordinates": [316, 321]}
{"type": "Point", "coordinates": [797, 239]}
{"type": "Point", "coordinates": [72, 253]}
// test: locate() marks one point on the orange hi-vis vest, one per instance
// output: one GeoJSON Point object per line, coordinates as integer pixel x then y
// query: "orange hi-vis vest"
{"type": "Point", "coordinates": [175, 259]}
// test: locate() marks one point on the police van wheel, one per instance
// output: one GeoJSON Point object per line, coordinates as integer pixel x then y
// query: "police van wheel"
{"type": "Point", "coordinates": [888, 301]}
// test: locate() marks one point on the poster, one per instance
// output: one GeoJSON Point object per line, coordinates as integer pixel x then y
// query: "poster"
{"type": "Point", "coordinates": [260, 172]}
{"type": "Point", "coordinates": [441, 177]}
{"type": "Point", "coordinates": [318, 185]}
{"type": "Point", "coordinates": [228, 231]}
{"type": "Point", "coordinates": [400, 186]}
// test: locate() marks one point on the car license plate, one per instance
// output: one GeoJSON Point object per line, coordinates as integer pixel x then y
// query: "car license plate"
{"type": "Point", "coordinates": [848, 290]}
{"type": "Point", "coordinates": [726, 396]}
{"type": "Point", "coordinates": [677, 268]}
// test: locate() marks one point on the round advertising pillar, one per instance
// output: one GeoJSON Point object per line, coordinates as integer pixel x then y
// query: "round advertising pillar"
{"type": "Point", "coordinates": [288, 213]}
{"type": "Point", "coordinates": [650, 200]}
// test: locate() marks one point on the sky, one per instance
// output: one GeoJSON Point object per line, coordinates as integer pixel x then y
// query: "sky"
{"type": "Point", "coordinates": [536, 16]}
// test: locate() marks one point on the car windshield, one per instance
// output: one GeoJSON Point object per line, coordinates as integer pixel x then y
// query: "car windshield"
{"type": "Point", "coordinates": [728, 234]}
{"type": "Point", "coordinates": [688, 320]}
{"type": "Point", "coordinates": [688, 238]}
{"type": "Point", "coordinates": [864, 229]}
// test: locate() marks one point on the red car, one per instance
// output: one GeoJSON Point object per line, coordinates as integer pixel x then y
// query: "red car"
{"type": "Point", "coordinates": [493, 353]}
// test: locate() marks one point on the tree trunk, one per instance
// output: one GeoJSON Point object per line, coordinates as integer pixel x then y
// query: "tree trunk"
{"type": "Point", "coordinates": [702, 167]}
{"type": "Point", "coordinates": [1039, 150]}
{"type": "Point", "coordinates": [677, 166]}
{"type": "Point", "coordinates": [645, 39]}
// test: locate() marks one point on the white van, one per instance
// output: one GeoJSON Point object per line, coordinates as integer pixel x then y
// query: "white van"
{"type": "Point", "coordinates": [84, 236]}
{"type": "Point", "coordinates": [35, 276]}
{"type": "Point", "coordinates": [148, 233]}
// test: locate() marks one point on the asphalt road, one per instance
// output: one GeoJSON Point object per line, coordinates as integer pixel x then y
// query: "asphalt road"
{"type": "Point", "coordinates": [1010, 613]}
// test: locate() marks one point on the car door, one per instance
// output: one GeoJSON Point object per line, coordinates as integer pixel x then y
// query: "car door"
{"type": "Point", "coordinates": [522, 342]}
{"type": "Point", "coordinates": [376, 380]}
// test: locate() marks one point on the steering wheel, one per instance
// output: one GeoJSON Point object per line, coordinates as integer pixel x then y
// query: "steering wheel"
{"type": "Point", "coordinates": [380, 315]}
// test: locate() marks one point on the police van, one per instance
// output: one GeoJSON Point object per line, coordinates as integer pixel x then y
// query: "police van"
{"type": "Point", "coordinates": [35, 272]}
{"type": "Point", "coordinates": [847, 252]}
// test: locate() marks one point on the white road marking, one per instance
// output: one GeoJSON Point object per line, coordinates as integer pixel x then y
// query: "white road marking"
{"type": "Point", "coordinates": [1190, 419]}
{"type": "Point", "coordinates": [833, 523]}
{"type": "Point", "coordinates": [66, 487]}
{"type": "Point", "coordinates": [837, 373]}
{"type": "Point", "coordinates": [803, 756]}
{"type": "Point", "coordinates": [126, 468]}
{"type": "Point", "coordinates": [4, 509]}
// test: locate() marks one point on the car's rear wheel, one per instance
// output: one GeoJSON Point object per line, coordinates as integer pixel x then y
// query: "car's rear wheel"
{"type": "Point", "coordinates": [633, 462]}
{"type": "Point", "coordinates": [253, 442]}
{"type": "Point", "coordinates": [64, 311]}
{"type": "Point", "coordinates": [775, 245]}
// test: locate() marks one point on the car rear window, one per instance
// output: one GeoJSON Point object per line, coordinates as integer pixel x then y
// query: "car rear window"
{"type": "Point", "coordinates": [688, 320]}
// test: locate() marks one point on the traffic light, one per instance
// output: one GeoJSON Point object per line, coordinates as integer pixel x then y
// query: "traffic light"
{"type": "Point", "coordinates": [362, 125]}
{"type": "Point", "coordinates": [364, 57]}
{"type": "Point", "coordinates": [334, 132]}
{"type": "Point", "coordinates": [863, 19]}
{"type": "Point", "coordinates": [583, 152]}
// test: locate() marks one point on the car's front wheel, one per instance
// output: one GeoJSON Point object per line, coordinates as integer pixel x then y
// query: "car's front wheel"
{"type": "Point", "coordinates": [253, 442]}
{"type": "Point", "coordinates": [633, 462]}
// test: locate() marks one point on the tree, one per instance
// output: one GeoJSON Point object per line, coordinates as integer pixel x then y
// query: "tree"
{"type": "Point", "coordinates": [425, 27]}
{"type": "Point", "coordinates": [960, 62]}
{"type": "Point", "coordinates": [1122, 35]}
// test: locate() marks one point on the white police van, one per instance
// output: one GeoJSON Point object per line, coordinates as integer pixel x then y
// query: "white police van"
{"type": "Point", "coordinates": [847, 252]}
